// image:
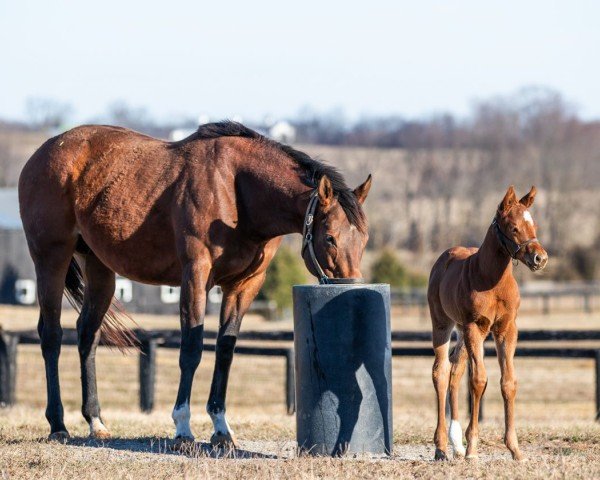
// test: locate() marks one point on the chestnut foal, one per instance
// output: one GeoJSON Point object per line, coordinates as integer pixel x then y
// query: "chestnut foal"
{"type": "Point", "coordinates": [475, 291]}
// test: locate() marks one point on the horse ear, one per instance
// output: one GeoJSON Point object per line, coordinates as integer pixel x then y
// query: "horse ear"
{"type": "Point", "coordinates": [527, 200]}
{"type": "Point", "coordinates": [362, 191]}
{"type": "Point", "coordinates": [325, 191]}
{"type": "Point", "coordinates": [509, 199]}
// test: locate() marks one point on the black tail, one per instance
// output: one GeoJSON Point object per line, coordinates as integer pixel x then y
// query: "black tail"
{"type": "Point", "coordinates": [113, 330]}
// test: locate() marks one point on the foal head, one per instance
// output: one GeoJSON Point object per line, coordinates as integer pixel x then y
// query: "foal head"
{"type": "Point", "coordinates": [339, 232]}
{"type": "Point", "coordinates": [516, 230]}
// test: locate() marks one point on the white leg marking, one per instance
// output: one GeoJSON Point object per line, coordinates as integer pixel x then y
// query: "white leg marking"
{"type": "Point", "coordinates": [96, 427]}
{"type": "Point", "coordinates": [181, 416]}
{"type": "Point", "coordinates": [527, 217]}
{"type": "Point", "coordinates": [456, 438]}
{"type": "Point", "coordinates": [220, 423]}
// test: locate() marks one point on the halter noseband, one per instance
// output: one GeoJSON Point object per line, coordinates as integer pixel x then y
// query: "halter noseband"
{"type": "Point", "coordinates": [307, 241]}
{"type": "Point", "coordinates": [511, 247]}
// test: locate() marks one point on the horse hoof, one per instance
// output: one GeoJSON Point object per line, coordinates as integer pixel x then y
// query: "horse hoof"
{"type": "Point", "coordinates": [459, 453]}
{"type": "Point", "coordinates": [472, 458]}
{"type": "Point", "coordinates": [61, 436]}
{"type": "Point", "coordinates": [440, 455]}
{"type": "Point", "coordinates": [181, 442]}
{"type": "Point", "coordinates": [100, 435]}
{"type": "Point", "coordinates": [223, 440]}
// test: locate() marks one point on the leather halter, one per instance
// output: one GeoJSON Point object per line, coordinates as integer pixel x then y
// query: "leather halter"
{"type": "Point", "coordinates": [307, 242]}
{"type": "Point", "coordinates": [511, 247]}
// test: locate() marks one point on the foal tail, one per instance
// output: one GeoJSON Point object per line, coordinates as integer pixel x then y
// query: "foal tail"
{"type": "Point", "coordinates": [113, 330]}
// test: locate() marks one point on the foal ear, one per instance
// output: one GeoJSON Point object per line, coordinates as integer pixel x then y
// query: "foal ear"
{"type": "Point", "coordinates": [325, 191]}
{"type": "Point", "coordinates": [509, 199]}
{"type": "Point", "coordinates": [527, 200]}
{"type": "Point", "coordinates": [362, 191]}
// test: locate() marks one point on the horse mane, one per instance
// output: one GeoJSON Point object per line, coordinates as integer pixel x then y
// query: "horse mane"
{"type": "Point", "coordinates": [314, 169]}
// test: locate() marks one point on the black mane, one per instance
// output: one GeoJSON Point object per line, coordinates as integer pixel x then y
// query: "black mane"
{"type": "Point", "coordinates": [314, 168]}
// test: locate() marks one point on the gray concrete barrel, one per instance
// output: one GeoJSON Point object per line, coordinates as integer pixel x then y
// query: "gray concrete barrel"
{"type": "Point", "coordinates": [342, 341]}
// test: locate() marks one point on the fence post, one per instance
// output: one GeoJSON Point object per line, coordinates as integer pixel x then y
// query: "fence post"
{"type": "Point", "coordinates": [546, 304]}
{"type": "Point", "coordinates": [469, 398]}
{"type": "Point", "coordinates": [147, 374]}
{"type": "Point", "coordinates": [587, 306]}
{"type": "Point", "coordinates": [8, 368]}
{"type": "Point", "coordinates": [290, 382]}
{"type": "Point", "coordinates": [598, 385]}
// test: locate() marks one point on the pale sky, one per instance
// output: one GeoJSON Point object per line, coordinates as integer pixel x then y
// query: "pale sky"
{"type": "Point", "coordinates": [251, 58]}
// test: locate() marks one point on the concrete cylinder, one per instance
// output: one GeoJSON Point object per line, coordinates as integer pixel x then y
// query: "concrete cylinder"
{"type": "Point", "coordinates": [343, 351]}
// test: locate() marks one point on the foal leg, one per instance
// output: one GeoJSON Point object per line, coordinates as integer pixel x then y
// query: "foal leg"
{"type": "Point", "coordinates": [192, 307]}
{"type": "Point", "coordinates": [474, 339]}
{"type": "Point", "coordinates": [506, 343]}
{"type": "Point", "coordinates": [51, 269]}
{"type": "Point", "coordinates": [99, 290]}
{"type": "Point", "coordinates": [442, 330]}
{"type": "Point", "coordinates": [458, 360]}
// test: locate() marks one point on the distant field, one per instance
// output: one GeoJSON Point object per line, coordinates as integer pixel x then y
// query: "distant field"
{"type": "Point", "coordinates": [566, 313]}
{"type": "Point", "coordinates": [555, 410]}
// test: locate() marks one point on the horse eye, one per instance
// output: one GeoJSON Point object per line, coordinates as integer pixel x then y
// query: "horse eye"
{"type": "Point", "coordinates": [515, 230]}
{"type": "Point", "coordinates": [330, 239]}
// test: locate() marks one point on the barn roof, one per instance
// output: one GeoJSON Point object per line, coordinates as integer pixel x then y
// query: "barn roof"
{"type": "Point", "coordinates": [9, 209]}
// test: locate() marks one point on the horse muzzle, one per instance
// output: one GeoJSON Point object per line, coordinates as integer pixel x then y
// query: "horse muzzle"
{"type": "Point", "coordinates": [536, 260]}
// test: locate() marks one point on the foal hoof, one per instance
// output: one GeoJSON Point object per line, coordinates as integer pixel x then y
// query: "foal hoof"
{"type": "Point", "coordinates": [61, 436]}
{"type": "Point", "coordinates": [459, 452]}
{"type": "Point", "coordinates": [440, 455]}
{"type": "Point", "coordinates": [223, 440]}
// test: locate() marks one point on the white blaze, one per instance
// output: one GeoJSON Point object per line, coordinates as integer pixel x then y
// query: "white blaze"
{"type": "Point", "coordinates": [181, 416]}
{"type": "Point", "coordinates": [456, 438]}
{"type": "Point", "coordinates": [527, 217]}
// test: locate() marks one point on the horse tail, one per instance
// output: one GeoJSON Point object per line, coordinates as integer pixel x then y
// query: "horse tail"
{"type": "Point", "coordinates": [113, 331]}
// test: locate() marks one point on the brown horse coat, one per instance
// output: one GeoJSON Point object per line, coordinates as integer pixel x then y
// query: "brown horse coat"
{"type": "Point", "coordinates": [475, 291]}
{"type": "Point", "coordinates": [208, 210]}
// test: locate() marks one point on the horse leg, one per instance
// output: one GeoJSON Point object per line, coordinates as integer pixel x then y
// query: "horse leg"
{"type": "Point", "coordinates": [192, 310]}
{"type": "Point", "coordinates": [474, 339]}
{"type": "Point", "coordinates": [51, 269]}
{"type": "Point", "coordinates": [442, 330]}
{"type": "Point", "coordinates": [506, 343]}
{"type": "Point", "coordinates": [236, 302]}
{"type": "Point", "coordinates": [237, 299]}
{"type": "Point", "coordinates": [458, 359]}
{"type": "Point", "coordinates": [99, 290]}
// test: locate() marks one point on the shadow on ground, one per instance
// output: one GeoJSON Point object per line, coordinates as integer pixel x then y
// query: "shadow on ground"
{"type": "Point", "coordinates": [166, 446]}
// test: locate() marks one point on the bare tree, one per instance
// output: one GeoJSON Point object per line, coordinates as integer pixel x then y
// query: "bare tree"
{"type": "Point", "coordinates": [44, 113]}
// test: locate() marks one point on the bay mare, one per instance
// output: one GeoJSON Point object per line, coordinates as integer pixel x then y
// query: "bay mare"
{"type": "Point", "coordinates": [475, 291]}
{"type": "Point", "coordinates": [208, 210]}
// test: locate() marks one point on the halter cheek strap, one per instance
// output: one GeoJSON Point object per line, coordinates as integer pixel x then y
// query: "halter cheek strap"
{"type": "Point", "coordinates": [307, 242]}
{"type": "Point", "coordinates": [511, 247]}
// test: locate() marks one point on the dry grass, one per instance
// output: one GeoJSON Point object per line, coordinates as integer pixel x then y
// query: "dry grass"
{"type": "Point", "coordinates": [555, 410]}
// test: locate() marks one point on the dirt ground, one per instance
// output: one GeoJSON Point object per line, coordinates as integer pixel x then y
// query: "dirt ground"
{"type": "Point", "coordinates": [555, 418]}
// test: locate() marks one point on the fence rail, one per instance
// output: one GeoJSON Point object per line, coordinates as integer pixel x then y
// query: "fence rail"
{"type": "Point", "coordinates": [150, 341]}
